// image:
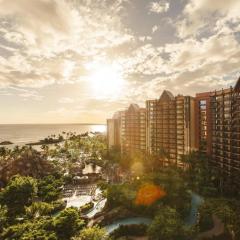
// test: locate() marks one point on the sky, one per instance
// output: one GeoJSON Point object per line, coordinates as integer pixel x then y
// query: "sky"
{"type": "Point", "coordinates": [79, 61]}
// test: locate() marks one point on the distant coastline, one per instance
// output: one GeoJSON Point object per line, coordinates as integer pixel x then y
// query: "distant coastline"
{"type": "Point", "coordinates": [22, 134]}
{"type": "Point", "coordinates": [52, 124]}
{"type": "Point", "coordinates": [5, 143]}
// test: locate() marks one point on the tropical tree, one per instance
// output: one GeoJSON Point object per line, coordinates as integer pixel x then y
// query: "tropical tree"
{"type": "Point", "coordinates": [38, 209]}
{"type": "Point", "coordinates": [68, 223]}
{"type": "Point", "coordinates": [198, 174]}
{"type": "Point", "coordinates": [3, 218]}
{"type": "Point", "coordinates": [41, 229]}
{"type": "Point", "coordinates": [93, 233]}
{"type": "Point", "coordinates": [49, 188]}
{"type": "Point", "coordinates": [225, 210]}
{"type": "Point", "coordinates": [27, 162]}
{"type": "Point", "coordinates": [168, 225]}
{"type": "Point", "coordinates": [19, 193]}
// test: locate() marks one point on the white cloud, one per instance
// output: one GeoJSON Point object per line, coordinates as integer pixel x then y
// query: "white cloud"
{"type": "Point", "coordinates": [64, 36]}
{"type": "Point", "coordinates": [145, 38]}
{"type": "Point", "coordinates": [200, 15]}
{"type": "Point", "coordinates": [154, 28]}
{"type": "Point", "coordinates": [190, 66]}
{"type": "Point", "coordinates": [159, 7]}
{"type": "Point", "coordinates": [60, 35]}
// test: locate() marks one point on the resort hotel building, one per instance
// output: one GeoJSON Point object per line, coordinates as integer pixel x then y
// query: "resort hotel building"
{"type": "Point", "coordinates": [127, 129]}
{"type": "Point", "coordinates": [170, 126]}
{"type": "Point", "coordinates": [208, 123]}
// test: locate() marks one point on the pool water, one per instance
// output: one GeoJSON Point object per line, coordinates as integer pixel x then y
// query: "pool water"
{"type": "Point", "coordinates": [98, 207]}
{"type": "Point", "coordinates": [191, 220]}
{"type": "Point", "coordinates": [127, 221]}
{"type": "Point", "coordinates": [196, 202]}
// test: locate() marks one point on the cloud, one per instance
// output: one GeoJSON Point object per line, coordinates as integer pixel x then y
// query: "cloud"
{"type": "Point", "coordinates": [159, 7]}
{"type": "Point", "coordinates": [60, 36]}
{"type": "Point", "coordinates": [22, 93]}
{"type": "Point", "coordinates": [154, 28]}
{"type": "Point", "coordinates": [87, 110]}
{"type": "Point", "coordinates": [186, 67]}
{"type": "Point", "coordinates": [195, 54]}
{"type": "Point", "coordinates": [195, 48]}
{"type": "Point", "coordinates": [200, 16]}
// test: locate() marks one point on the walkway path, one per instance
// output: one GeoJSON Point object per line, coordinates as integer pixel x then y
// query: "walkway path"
{"type": "Point", "coordinates": [217, 230]}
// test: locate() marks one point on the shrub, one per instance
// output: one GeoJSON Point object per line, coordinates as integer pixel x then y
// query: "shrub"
{"type": "Point", "coordinates": [130, 230]}
{"type": "Point", "coordinates": [85, 208]}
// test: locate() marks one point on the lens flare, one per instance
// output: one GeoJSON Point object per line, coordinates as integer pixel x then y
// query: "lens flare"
{"type": "Point", "coordinates": [148, 194]}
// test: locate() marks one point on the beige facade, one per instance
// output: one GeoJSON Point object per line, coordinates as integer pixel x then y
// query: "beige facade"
{"type": "Point", "coordinates": [170, 126]}
{"type": "Point", "coordinates": [185, 116]}
{"type": "Point", "coordinates": [114, 131]}
{"type": "Point", "coordinates": [127, 129]}
{"type": "Point", "coordinates": [133, 129]}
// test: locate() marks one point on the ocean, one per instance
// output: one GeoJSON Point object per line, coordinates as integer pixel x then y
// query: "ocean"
{"type": "Point", "coordinates": [20, 134]}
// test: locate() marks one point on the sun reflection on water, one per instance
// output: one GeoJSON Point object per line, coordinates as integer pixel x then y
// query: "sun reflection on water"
{"type": "Point", "coordinates": [98, 128]}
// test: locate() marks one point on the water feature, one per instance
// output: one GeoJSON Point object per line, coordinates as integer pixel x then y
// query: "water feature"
{"type": "Point", "coordinates": [191, 220]}
{"type": "Point", "coordinates": [98, 207]}
{"type": "Point", "coordinates": [127, 221]}
{"type": "Point", "coordinates": [196, 202]}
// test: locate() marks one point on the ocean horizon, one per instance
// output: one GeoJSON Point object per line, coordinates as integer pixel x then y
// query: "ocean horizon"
{"type": "Point", "coordinates": [20, 134]}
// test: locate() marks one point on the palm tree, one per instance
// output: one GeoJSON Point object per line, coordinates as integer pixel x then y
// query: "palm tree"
{"type": "Point", "coordinates": [163, 156]}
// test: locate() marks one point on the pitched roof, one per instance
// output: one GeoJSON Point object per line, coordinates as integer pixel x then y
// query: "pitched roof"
{"type": "Point", "coordinates": [133, 107]}
{"type": "Point", "coordinates": [166, 96]}
{"type": "Point", "coordinates": [116, 115]}
{"type": "Point", "coordinates": [237, 86]}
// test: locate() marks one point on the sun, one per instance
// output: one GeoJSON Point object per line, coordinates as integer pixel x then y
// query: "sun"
{"type": "Point", "coordinates": [106, 80]}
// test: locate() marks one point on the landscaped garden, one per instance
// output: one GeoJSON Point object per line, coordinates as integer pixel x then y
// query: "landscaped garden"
{"type": "Point", "coordinates": [129, 195]}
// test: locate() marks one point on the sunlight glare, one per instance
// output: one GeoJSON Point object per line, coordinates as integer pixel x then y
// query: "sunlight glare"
{"type": "Point", "coordinates": [98, 128]}
{"type": "Point", "coordinates": [106, 80]}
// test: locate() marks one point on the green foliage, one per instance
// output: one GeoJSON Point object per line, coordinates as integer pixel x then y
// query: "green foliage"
{"type": "Point", "coordinates": [36, 230]}
{"type": "Point", "coordinates": [199, 176]}
{"type": "Point", "coordinates": [118, 195]}
{"type": "Point", "coordinates": [62, 227]}
{"type": "Point", "coordinates": [49, 188]}
{"type": "Point", "coordinates": [57, 206]}
{"type": "Point", "coordinates": [3, 218]}
{"type": "Point", "coordinates": [67, 223]}
{"type": "Point", "coordinates": [24, 161]}
{"type": "Point", "coordinates": [85, 208]}
{"type": "Point", "coordinates": [19, 193]}
{"type": "Point", "coordinates": [168, 225]}
{"type": "Point", "coordinates": [38, 209]}
{"type": "Point", "coordinates": [224, 210]}
{"type": "Point", "coordinates": [93, 233]}
{"type": "Point", "coordinates": [44, 209]}
{"type": "Point", "coordinates": [129, 230]}
{"type": "Point", "coordinates": [114, 154]}
{"type": "Point", "coordinates": [171, 180]}
{"type": "Point", "coordinates": [27, 216]}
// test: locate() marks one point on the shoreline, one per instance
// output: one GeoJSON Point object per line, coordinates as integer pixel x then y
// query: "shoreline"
{"type": "Point", "coordinates": [44, 124]}
{"type": "Point", "coordinates": [5, 143]}
{"type": "Point", "coordinates": [31, 134]}
{"type": "Point", "coordinates": [44, 143]}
